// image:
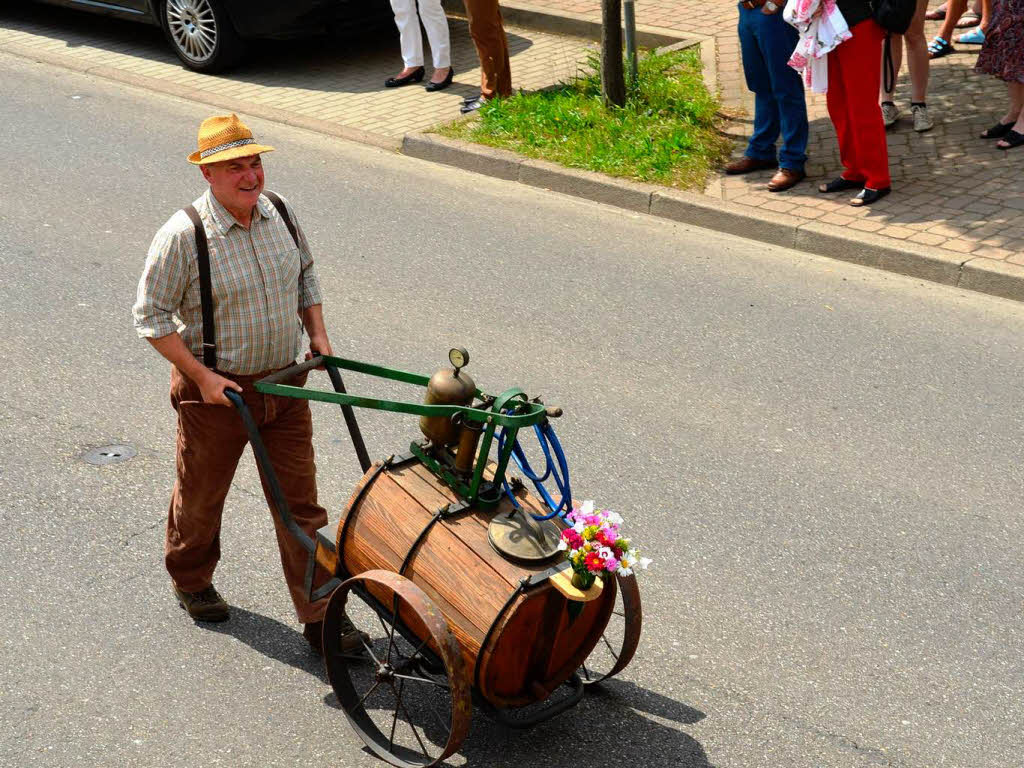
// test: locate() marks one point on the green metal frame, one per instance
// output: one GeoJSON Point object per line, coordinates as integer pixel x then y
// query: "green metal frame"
{"type": "Point", "coordinates": [510, 409]}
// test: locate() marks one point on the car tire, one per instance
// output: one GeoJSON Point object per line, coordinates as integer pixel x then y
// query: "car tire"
{"type": "Point", "coordinates": [201, 34]}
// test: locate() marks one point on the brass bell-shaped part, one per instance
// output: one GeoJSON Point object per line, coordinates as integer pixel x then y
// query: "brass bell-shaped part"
{"type": "Point", "coordinates": [447, 387]}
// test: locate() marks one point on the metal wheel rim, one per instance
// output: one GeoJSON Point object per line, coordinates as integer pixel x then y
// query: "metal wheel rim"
{"type": "Point", "coordinates": [193, 27]}
{"type": "Point", "coordinates": [621, 649]}
{"type": "Point", "coordinates": [389, 673]}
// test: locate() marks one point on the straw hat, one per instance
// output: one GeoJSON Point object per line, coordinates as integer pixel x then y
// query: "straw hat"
{"type": "Point", "coordinates": [225, 137]}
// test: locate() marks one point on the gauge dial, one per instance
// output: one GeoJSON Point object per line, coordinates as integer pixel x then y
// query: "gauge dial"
{"type": "Point", "coordinates": [458, 357]}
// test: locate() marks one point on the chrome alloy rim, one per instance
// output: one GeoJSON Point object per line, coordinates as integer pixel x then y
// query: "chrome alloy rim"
{"type": "Point", "coordinates": [193, 27]}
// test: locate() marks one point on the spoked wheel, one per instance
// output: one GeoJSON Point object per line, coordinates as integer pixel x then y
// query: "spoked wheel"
{"type": "Point", "coordinates": [617, 645]}
{"type": "Point", "coordinates": [407, 696]}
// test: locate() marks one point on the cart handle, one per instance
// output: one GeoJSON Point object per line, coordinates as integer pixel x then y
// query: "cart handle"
{"type": "Point", "coordinates": [263, 459]}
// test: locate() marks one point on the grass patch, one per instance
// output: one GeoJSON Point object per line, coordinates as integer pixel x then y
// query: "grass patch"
{"type": "Point", "coordinates": [665, 134]}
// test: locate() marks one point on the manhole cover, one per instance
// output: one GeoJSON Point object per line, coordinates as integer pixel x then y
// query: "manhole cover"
{"type": "Point", "coordinates": [109, 454]}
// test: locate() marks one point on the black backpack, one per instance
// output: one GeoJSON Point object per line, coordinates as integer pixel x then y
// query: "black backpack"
{"type": "Point", "coordinates": [894, 15]}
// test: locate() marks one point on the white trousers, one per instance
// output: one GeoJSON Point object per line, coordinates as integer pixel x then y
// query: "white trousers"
{"type": "Point", "coordinates": [434, 22]}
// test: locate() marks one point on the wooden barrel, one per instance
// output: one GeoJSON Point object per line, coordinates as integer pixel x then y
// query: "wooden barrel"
{"type": "Point", "coordinates": [518, 645]}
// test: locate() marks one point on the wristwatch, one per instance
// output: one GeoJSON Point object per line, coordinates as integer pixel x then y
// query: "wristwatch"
{"type": "Point", "coordinates": [770, 7]}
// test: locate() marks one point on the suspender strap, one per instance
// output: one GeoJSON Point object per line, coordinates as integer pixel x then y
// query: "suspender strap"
{"type": "Point", "coordinates": [283, 210]}
{"type": "Point", "coordinates": [205, 290]}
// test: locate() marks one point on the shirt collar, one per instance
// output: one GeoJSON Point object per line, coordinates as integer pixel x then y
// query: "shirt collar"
{"type": "Point", "coordinates": [222, 221]}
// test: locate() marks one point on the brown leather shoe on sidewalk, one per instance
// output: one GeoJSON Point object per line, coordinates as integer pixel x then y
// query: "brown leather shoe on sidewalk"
{"type": "Point", "coordinates": [749, 164]}
{"type": "Point", "coordinates": [351, 638]}
{"type": "Point", "coordinates": [785, 178]}
{"type": "Point", "coordinates": [205, 605]}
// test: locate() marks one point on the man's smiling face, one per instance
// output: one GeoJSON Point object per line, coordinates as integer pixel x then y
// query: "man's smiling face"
{"type": "Point", "coordinates": [237, 183]}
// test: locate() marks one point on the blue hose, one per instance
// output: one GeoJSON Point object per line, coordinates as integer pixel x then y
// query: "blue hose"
{"type": "Point", "coordinates": [555, 468]}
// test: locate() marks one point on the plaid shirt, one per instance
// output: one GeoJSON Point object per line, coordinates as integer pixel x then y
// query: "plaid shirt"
{"type": "Point", "coordinates": [261, 283]}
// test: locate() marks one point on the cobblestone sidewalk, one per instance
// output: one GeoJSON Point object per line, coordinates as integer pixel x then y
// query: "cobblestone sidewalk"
{"type": "Point", "coordinates": [951, 190]}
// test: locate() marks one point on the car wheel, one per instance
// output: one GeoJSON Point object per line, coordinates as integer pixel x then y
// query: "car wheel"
{"type": "Point", "coordinates": [201, 34]}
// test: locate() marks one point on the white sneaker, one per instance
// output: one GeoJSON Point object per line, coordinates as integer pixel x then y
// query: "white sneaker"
{"type": "Point", "coordinates": [890, 114]}
{"type": "Point", "coordinates": [922, 120]}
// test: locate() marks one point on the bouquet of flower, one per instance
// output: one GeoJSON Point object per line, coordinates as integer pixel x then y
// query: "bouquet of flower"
{"type": "Point", "coordinates": [593, 545]}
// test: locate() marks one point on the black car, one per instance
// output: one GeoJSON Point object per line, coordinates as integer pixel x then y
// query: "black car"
{"type": "Point", "coordinates": [211, 35]}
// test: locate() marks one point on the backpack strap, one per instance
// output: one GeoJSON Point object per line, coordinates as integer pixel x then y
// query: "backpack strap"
{"type": "Point", "coordinates": [283, 210]}
{"type": "Point", "coordinates": [205, 290]}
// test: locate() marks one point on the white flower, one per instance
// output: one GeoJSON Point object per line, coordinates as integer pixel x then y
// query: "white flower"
{"type": "Point", "coordinates": [578, 527]}
{"type": "Point", "coordinates": [587, 508]}
{"type": "Point", "coordinates": [644, 562]}
{"type": "Point", "coordinates": [614, 518]}
{"type": "Point", "coordinates": [561, 545]}
{"type": "Point", "coordinates": [623, 571]}
{"type": "Point", "coordinates": [604, 553]}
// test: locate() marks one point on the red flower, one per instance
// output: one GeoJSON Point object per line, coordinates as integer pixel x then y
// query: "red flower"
{"type": "Point", "coordinates": [594, 562]}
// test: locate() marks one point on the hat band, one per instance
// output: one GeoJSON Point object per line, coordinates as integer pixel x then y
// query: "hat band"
{"type": "Point", "coordinates": [230, 145]}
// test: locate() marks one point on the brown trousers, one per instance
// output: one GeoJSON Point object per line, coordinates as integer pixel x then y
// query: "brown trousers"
{"type": "Point", "coordinates": [211, 439]}
{"type": "Point", "coordinates": [485, 27]}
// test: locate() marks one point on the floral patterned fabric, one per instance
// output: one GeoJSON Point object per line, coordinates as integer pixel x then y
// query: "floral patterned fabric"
{"type": "Point", "coordinates": [1003, 52]}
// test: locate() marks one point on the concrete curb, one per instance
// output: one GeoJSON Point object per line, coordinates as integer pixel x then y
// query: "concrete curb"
{"type": "Point", "coordinates": [983, 275]}
{"type": "Point", "coordinates": [249, 108]}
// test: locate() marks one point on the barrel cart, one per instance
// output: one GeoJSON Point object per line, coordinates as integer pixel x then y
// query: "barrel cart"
{"type": "Point", "coordinates": [468, 599]}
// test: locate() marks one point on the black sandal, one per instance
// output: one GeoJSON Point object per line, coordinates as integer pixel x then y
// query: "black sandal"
{"type": "Point", "coordinates": [1012, 139]}
{"type": "Point", "coordinates": [868, 196]}
{"type": "Point", "coordinates": [839, 184]}
{"type": "Point", "coordinates": [997, 131]}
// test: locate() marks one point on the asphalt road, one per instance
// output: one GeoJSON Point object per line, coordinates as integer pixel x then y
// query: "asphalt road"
{"type": "Point", "coordinates": [822, 460]}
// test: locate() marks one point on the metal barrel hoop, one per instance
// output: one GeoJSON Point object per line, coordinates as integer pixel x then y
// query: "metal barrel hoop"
{"type": "Point", "coordinates": [392, 670]}
{"type": "Point", "coordinates": [632, 616]}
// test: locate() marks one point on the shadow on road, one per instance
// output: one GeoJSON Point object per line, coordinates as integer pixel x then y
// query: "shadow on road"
{"type": "Point", "coordinates": [272, 638]}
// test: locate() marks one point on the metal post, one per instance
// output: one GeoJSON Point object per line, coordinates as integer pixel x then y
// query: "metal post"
{"type": "Point", "coordinates": [628, 10]}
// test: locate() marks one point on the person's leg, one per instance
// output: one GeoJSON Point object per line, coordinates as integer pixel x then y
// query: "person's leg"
{"type": "Point", "coordinates": [1015, 112]}
{"type": "Point", "coordinates": [210, 440]}
{"type": "Point", "coordinates": [860, 77]}
{"type": "Point", "coordinates": [488, 33]}
{"type": "Point", "coordinates": [954, 10]}
{"type": "Point", "coordinates": [761, 145]}
{"type": "Point", "coordinates": [409, 35]}
{"type": "Point", "coordinates": [897, 63]}
{"type": "Point", "coordinates": [287, 433]}
{"type": "Point", "coordinates": [436, 25]}
{"type": "Point", "coordinates": [986, 14]}
{"type": "Point", "coordinates": [835, 99]}
{"type": "Point", "coordinates": [917, 55]}
{"type": "Point", "coordinates": [778, 39]}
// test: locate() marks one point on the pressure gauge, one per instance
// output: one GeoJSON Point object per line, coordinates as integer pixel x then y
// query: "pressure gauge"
{"type": "Point", "coordinates": [458, 357]}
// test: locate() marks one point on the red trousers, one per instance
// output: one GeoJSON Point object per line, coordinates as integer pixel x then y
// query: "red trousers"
{"type": "Point", "coordinates": [211, 439]}
{"type": "Point", "coordinates": [488, 33]}
{"type": "Point", "coordinates": [854, 76]}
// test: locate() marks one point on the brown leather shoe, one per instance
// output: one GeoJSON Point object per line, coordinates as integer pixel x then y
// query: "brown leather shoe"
{"type": "Point", "coordinates": [748, 164]}
{"type": "Point", "coordinates": [785, 178]}
{"type": "Point", "coordinates": [205, 605]}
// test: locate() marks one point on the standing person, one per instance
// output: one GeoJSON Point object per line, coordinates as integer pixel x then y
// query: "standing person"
{"type": "Point", "coordinates": [488, 33]}
{"type": "Point", "coordinates": [1003, 57]}
{"type": "Point", "coordinates": [264, 289]}
{"type": "Point", "coordinates": [436, 25]}
{"type": "Point", "coordinates": [917, 63]}
{"type": "Point", "coordinates": [854, 79]}
{"type": "Point", "coordinates": [766, 43]}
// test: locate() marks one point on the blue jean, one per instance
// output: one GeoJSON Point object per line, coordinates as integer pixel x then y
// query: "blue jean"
{"type": "Point", "coordinates": [766, 43]}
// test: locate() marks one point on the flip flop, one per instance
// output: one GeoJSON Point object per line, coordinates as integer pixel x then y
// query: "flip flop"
{"type": "Point", "coordinates": [969, 19]}
{"type": "Point", "coordinates": [938, 48]}
{"type": "Point", "coordinates": [937, 14]}
{"type": "Point", "coordinates": [1012, 139]}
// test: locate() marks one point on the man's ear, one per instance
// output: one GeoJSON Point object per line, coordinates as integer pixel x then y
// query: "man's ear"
{"type": "Point", "coordinates": [206, 172]}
